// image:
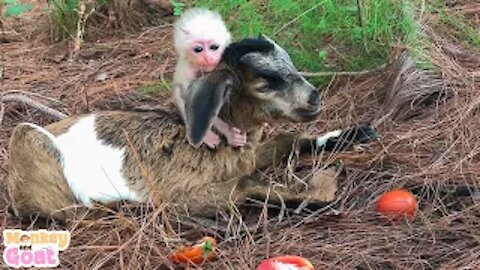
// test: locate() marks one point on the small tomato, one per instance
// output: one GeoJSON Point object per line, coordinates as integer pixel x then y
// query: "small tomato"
{"type": "Point", "coordinates": [197, 254]}
{"type": "Point", "coordinates": [286, 262]}
{"type": "Point", "coordinates": [397, 204]}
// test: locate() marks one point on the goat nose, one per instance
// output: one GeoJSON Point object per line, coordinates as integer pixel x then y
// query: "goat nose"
{"type": "Point", "coordinates": [314, 98]}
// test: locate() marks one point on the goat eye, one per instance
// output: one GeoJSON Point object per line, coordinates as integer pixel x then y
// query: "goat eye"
{"type": "Point", "coordinates": [214, 47]}
{"type": "Point", "coordinates": [263, 89]}
{"type": "Point", "coordinates": [198, 49]}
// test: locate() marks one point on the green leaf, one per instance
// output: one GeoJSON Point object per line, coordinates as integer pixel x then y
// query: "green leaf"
{"type": "Point", "coordinates": [322, 55]}
{"type": "Point", "coordinates": [177, 7]}
{"type": "Point", "coordinates": [16, 9]}
{"type": "Point", "coordinates": [71, 5]}
{"type": "Point", "coordinates": [207, 248]}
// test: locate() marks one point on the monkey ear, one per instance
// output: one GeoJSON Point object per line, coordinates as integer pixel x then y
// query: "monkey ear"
{"type": "Point", "coordinates": [203, 101]}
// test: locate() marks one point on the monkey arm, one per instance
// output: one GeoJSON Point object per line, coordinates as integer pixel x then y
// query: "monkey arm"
{"type": "Point", "coordinates": [179, 99]}
{"type": "Point", "coordinates": [235, 137]}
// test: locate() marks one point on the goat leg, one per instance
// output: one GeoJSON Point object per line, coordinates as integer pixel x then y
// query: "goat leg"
{"type": "Point", "coordinates": [339, 140]}
{"type": "Point", "coordinates": [275, 150]}
{"type": "Point", "coordinates": [36, 184]}
{"type": "Point", "coordinates": [281, 146]}
{"type": "Point", "coordinates": [281, 195]}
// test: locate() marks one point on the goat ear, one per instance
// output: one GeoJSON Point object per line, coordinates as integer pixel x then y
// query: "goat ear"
{"type": "Point", "coordinates": [234, 53]}
{"type": "Point", "coordinates": [265, 37]}
{"type": "Point", "coordinates": [205, 97]}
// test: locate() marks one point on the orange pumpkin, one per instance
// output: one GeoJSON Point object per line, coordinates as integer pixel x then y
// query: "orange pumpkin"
{"type": "Point", "coordinates": [396, 204]}
{"type": "Point", "coordinates": [197, 254]}
{"type": "Point", "coordinates": [282, 262]}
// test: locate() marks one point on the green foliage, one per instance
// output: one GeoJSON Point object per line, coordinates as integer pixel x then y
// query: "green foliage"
{"type": "Point", "coordinates": [65, 17]}
{"type": "Point", "coordinates": [324, 34]}
{"type": "Point", "coordinates": [150, 89]}
{"type": "Point", "coordinates": [13, 8]}
{"type": "Point", "coordinates": [177, 7]}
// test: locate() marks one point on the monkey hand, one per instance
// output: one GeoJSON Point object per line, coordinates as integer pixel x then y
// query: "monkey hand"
{"type": "Point", "coordinates": [211, 139]}
{"type": "Point", "coordinates": [236, 137]}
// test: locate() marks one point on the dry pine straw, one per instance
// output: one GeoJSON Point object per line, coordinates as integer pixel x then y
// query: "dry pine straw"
{"type": "Point", "coordinates": [429, 143]}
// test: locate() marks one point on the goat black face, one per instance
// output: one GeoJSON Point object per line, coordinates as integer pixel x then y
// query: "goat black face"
{"type": "Point", "coordinates": [272, 78]}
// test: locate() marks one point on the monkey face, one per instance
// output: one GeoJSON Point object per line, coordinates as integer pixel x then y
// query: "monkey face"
{"type": "Point", "coordinates": [200, 37]}
{"type": "Point", "coordinates": [205, 54]}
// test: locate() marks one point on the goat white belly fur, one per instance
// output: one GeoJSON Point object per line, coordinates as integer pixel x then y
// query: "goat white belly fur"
{"type": "Point", "coordinates": [92, 169]}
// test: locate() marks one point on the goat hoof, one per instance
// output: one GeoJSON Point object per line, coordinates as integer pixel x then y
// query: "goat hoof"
{"type": "Point", "coordinates": [365, 134]}
{"type": "Point", "coordinates": [361, 134]}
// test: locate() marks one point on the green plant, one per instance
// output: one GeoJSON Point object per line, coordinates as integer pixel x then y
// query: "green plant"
{"type": "Point", "coordinates": [150, 89]}
{"type": "Point", "coordinates": [65, 17]}
{"type": "Point", "coordinates": [323, 35]}
{"type": "Point", "coordinates": [13, 8]}
{"type": "Point", "coordinates": [177, 7]}
{"type": "Point", "coordinates": [79, 19]}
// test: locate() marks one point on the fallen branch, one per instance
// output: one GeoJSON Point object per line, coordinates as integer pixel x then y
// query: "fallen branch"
{"type": "Point", "coordinates": [30, 102]}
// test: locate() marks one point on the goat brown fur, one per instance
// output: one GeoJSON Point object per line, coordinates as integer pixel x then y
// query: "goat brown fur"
{"type": "Point", "coordinates": [159, 163]}
{"type": "Point", "coordinates": [199, 180]}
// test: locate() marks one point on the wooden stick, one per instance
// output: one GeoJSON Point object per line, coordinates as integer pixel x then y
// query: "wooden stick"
{"type": "Point", "coordinates": [28, 101]}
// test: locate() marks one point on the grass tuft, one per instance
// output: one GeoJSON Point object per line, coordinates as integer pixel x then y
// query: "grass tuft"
{"type": "Point", "coordinates": [65, 17]}
{"type": "Point", "coordinates": [162, 85]}
{"type": "Point", "coordinates": [13, 8]}
{"type": "Point", "coordinates": [325, 35]}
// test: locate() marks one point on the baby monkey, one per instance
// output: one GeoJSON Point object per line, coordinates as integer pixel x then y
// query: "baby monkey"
{"type": "Point", "coordinates": [200, 37]}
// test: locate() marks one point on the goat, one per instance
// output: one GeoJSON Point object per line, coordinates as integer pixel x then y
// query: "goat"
{"type": "Point", "coordinates": [111, 156]}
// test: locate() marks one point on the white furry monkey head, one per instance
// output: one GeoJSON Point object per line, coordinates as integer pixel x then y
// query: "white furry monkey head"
{"type": "Point", "coordinates": [200, 38]}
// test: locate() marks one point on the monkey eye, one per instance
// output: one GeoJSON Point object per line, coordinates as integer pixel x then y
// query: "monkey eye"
{"type": "Point", "coordinates": [214, 47]}
{"type": "Point", "coordinates": [198, 49]}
